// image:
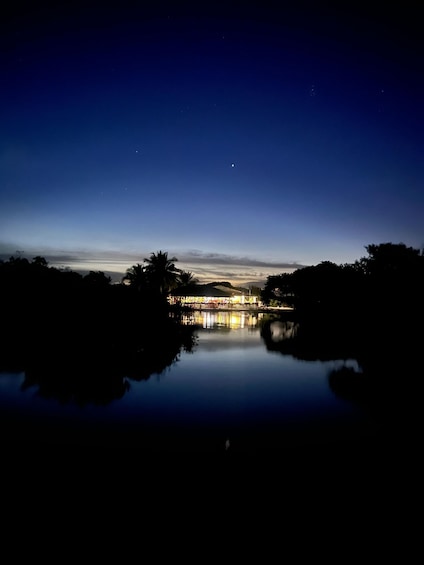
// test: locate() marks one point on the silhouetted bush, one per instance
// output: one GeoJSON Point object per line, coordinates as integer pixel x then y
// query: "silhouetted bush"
{"type": "Point", "coordinates": [80, 338]}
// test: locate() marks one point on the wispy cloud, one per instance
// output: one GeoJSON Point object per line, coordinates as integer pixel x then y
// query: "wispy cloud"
{"type": "Point", "coordinates": [238, 269]}
{"type": "Point", "coordinates": [206, 266]}
{"type": "Point", "coordinates": [68, 257]}
{"type": "Point", "coordinates": [200, 257]}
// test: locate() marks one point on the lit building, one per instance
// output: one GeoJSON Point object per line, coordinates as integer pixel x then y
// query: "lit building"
{"type": "Point", "coordinates": [214, 296]}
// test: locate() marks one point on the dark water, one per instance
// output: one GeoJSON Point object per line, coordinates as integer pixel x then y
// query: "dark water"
{"type": "Point", "coordinates": [229, 395]}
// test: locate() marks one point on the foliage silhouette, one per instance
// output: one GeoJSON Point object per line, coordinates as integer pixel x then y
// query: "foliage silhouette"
{"type": "Point", "coordinates": [156, 277]}
{"type": "Point", "coordinates": [137, 278]}
{"type": "Point", "coordinates": [97, 279]}
{"type": "Point", "coordinates": [162, 272]}
{"type": "Point", "coordinates": [185, 278]}
{"type": "Point", "coordinates": [80, 338]}
{"type": "Point", "coordinates": [370, 311]}
{"type": "Point", "coordinates": [391, 276]}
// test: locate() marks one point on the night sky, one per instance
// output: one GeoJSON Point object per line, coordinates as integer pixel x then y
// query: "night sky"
{"type": "Point", "coordinates": [245, 138]}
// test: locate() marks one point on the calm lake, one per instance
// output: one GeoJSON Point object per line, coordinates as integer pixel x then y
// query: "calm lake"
{"type": "Point", "coordinates": [230, 394]}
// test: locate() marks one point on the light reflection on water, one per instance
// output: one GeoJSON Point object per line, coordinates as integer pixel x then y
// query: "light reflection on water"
{"type": "Point", "coordinates": [223, 319]}
{"type": "Point", "coordinates": [229, 386]}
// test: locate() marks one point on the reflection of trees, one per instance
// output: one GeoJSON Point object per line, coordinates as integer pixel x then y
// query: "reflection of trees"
{"type": "Point", "coordinates": [371, 311]}
{"type": "Point", "coordinates": [76, 384]}
{"type": "Point", "coordinates": [80, 339]}
{"type": "Point", "coordinates": [387, 384]}
{"type": "Point", "coordinates": [313, 339]}
{"type": "Point", "coordinates": [351, 385]}
{"type": "Point", "coordinates": [160, 350]}
{"type": "Point", "coordinates": [93, 372]}
{"type": "Point", "coordinates": [388, 390]}
{"type": "Point", "coordinates": [282, 330]}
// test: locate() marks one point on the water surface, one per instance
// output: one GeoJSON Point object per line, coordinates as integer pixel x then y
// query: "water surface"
{"type": "Point", "coordinates": [230, 393]}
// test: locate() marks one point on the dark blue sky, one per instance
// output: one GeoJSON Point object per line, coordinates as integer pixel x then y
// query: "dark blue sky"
{"type": "Point", "coordinates": [243, 137]}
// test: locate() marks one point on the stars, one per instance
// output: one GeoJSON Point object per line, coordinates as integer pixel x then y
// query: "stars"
{"type": "Point", "coordinates": [233, 165]}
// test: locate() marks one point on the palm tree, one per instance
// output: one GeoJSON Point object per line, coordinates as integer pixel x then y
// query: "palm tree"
{"type": "Point", "coordinates": [136, 277]}
{"type": "Point", "coordinates": [161, 271]}
{"type": "Point", "coordinates": [187, 279]}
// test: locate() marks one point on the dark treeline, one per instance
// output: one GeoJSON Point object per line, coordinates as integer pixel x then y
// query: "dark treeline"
{"type": "Point", "coordinates": [376, 301]}
{"type": "Point", "coordinates": [391, 275]}
{"type": "Point", "coordinates": [80, 338]}
{"type": "Point", "coordinates": [371, 311]}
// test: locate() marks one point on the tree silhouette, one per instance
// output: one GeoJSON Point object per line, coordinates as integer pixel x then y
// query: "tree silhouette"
{"type": "Point", "coordinates": [395, 275]}
{"type": "Point", "coordinates": [97, 279]}
{"type": "Point", "coordinates": [136, 277]}
{"type": "Point", "coordinates": [40, 261]}
{"type": "Point", "coordinates": [278, 290]}
{"type": "Point", "coordinates": [187, 279]}
{"type": "Point", "coordinates": [162, 273]}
